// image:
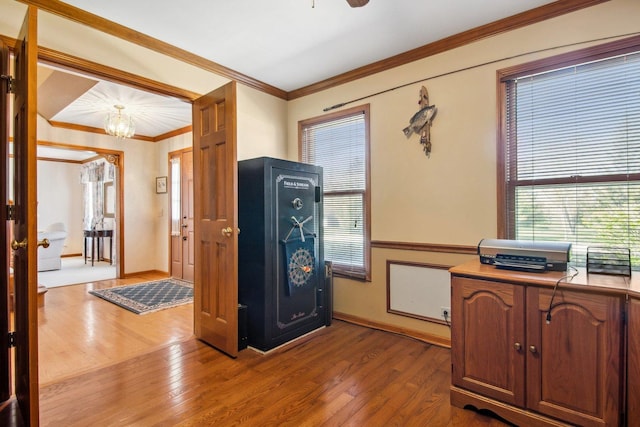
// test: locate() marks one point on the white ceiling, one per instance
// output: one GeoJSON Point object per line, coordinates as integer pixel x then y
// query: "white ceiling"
{"type": "Point", "coordinates": [153, 114]}
{"type": "Point", "coordinates": [288, 44]}
{"type": "Point", "coordinates": [47, 152]}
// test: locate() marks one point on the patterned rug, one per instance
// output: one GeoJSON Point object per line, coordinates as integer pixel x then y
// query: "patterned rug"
{"type": "Point", "coordinates": [143, 298]}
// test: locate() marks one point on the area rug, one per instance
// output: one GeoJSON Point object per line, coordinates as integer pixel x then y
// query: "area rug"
{"type": "Point", "coordinates": [143, 298]}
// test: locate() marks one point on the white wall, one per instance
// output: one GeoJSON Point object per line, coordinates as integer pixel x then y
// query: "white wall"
{"type": "Point", "coordinates": [60, 200]}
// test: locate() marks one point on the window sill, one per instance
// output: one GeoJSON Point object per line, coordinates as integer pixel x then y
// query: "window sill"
{"type": "Point", "coordinates": [360, 276]}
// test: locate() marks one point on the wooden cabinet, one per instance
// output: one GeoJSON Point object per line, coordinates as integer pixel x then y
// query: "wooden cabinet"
{"type": "Point", "coordinates": [633, 362]}
{"type": "Point", "coordinates": [507, 358]}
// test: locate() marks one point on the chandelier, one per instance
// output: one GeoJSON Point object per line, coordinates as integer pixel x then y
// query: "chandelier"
{"type": "Point", "coordinates": [119, 124]}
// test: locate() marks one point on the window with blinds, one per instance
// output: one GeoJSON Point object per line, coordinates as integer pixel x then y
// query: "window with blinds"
{"type": "Point", "coordinates": [339, 142]}
{"type": "Point", "coordinates": [572, 161]}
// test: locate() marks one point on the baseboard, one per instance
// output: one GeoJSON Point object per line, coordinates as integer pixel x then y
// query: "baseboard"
{"type": "Point", "coordinates": [421, 336]}
{"type": "Point", "coordinates": [70, 255]}
{"type": "Point", "coordinates": [140, 273]}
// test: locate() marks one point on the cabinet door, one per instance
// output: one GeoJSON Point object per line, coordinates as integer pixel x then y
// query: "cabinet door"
{"type": "Point", "coordinates": [487, 338]}
{"type": "Point", "coordinates": [633, 361]}
{"type": "Point", "coordinates": [574, 362]}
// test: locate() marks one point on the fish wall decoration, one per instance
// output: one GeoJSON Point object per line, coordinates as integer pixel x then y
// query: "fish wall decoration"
{"type": "Point", "coordinates": [420, 123]}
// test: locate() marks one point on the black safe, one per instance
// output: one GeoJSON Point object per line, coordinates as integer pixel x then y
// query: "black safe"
{"type": "Point", "coordinates": [281, 269]}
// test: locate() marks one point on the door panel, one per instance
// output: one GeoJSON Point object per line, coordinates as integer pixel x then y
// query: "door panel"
{"type": "Point", "coordinates": [487, 338]}
{"type": "Point", "coordinates": [580, 346]}
{"type": "Point", "coordinates": [216, 219]}
{"type": "Point", "coordinates": [25, 258]}
{"type": "Point", "coordinates": [182, 238]}
{"type": "Point", "coordinates": [5, 368]}
{"type": "Point", "coordinates": [186, 199]}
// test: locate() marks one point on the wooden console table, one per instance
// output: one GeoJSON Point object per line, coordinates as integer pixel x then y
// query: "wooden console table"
{"type": "Point", "coordinates": [97, 237]}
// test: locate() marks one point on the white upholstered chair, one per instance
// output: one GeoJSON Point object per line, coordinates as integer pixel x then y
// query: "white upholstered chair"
{"type": "Point", "coordinates": [49, 258]}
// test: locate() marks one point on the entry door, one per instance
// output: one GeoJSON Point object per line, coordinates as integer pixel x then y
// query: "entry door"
{"type": "Point", "coordinates": [182, 232]}
{"type": "Point", "coordinates": [5, 360]}
{"type": "Point", "coordinates": [216, 219]}
{"type": "Point", "coordinates": [24, 233]}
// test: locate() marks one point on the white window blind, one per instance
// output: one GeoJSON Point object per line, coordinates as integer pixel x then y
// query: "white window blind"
{"type": "Point", "coordinates": [573, 156]}
{"type": "Point", "coordinates": [340, 146]}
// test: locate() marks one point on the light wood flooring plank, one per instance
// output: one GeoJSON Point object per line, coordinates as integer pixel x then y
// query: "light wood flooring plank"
{"type": "Point", "coordinates": [79, 332]}
{"type": "Point", "coordinates": [102, 365]}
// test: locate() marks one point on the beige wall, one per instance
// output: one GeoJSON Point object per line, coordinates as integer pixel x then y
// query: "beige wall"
{"type": "Point", "coordinates": [261, 125]}
{"type": "Point", "coordinates": [449, 198]}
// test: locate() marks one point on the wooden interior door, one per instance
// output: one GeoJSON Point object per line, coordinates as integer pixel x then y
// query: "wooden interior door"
{"type": "Point", "coordinates": [182, 242]}
{"type": "Point", "coordinates": [187, 215]}
{"type": "Point", "coordinates": [25, 234]}
{"type": "Point", "coordinates": [5, 360]}
{"type": "Point", "coordinates": [216, 219]}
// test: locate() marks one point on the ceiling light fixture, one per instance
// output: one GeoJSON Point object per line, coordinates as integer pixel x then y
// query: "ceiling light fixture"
{"type": "Point", "coordinates": [119, 124]}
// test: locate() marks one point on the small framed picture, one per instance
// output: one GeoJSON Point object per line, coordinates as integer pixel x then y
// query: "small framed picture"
{"type": "Point", "coordinates": [161, 184]}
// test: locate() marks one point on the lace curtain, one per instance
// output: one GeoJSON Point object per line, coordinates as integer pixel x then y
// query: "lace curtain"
{"type": "Point", "coordinates": [92, 176]}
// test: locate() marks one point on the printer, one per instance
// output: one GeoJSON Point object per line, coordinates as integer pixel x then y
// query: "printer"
{"type": "Point", "coordinates": [524, 255]}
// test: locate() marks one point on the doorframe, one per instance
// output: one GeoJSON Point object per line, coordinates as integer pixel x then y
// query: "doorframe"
{"type": "Point", "coordinates": [112, 156]}
{"type": "Point", "coordinates": [170, 155]}
{"type": "Point", "coordinates": [74, 63]}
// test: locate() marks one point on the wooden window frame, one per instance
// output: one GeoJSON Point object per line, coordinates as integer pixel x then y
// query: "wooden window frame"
{"type": "Point", "coordinates": [363, 274]}
{"type": "Point", "coordinates": [506, 220]}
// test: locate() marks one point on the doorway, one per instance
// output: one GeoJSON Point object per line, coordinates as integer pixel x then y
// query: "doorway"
{"type": "Point", "coordinates": [102, 190]}
{"type": "Point", "coordinates": [181, 198]}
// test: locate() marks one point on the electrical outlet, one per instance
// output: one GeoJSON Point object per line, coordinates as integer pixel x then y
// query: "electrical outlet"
{"type": "Point", "coordinates": [445, 312]}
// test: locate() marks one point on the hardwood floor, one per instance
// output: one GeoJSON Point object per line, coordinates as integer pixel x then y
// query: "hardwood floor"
{"type": "Point", "coordinates": [79, 332]}
{"type": "Point", "coordinates": [104, 366]}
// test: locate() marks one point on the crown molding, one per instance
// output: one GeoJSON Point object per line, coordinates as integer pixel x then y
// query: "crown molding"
{"type": "Point", "coordinates": [76, 64]}
{"type": "Point", "coordinates": [520, 20]}
{"type": "Point", "coordinates": [539, 14]}
{"type": "Point", "coordinates": [173, 133]}
{"type": "Point", "coordinates": [91, 129]}
{"type": "Point", "coordinates": [94, 21]}
{"type": "Point", "coordinates": [100, 131]}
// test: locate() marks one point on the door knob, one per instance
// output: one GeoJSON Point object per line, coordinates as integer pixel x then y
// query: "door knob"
{"type": "Point", "coordinates": [44, 243]}
{"type": "Point", "coordinates": [517, 346]}
{"type": "Point", "coordinates": [227, 231]}
{"type": "Point", "coordinates": [533, 349]}
{"type": "Point", "coordinates": [15, 245]}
